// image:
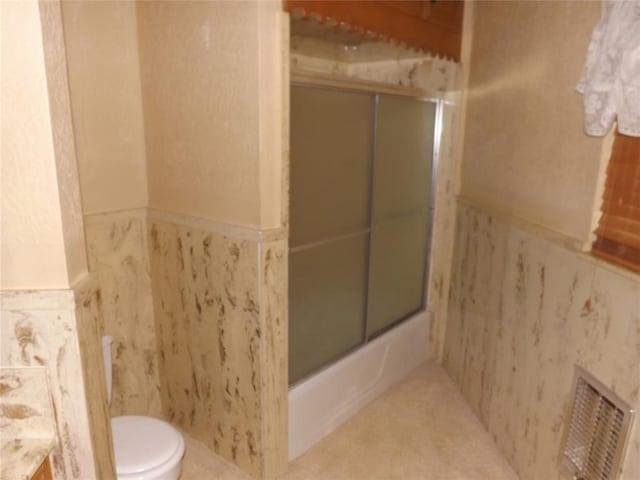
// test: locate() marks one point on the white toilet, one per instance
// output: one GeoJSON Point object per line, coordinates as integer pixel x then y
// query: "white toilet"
{"type": "Point", "coordinates": [145, 448]}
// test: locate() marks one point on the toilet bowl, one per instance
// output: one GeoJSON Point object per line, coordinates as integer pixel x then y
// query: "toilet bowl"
{"type": "Point", "coordinates": [145, 448]}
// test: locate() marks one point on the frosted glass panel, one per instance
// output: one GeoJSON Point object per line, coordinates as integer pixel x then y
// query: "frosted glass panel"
{"type": "Point", "coordinates": [327, 302]}
{"type": "Point", "coordinates": [331, 141]}
{"type": "Point", "coordinates": [404, 154]}
{"type": "Point", "coordinates": [355, 169]}
{"type": "Point", "coordinates": [398, 258]}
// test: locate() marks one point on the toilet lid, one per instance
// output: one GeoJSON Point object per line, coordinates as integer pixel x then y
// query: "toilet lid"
{"type": "Point", "coordinates": [142, 443]}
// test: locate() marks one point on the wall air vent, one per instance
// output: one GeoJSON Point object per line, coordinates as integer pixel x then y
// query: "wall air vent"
{"type": "Point", "coordinates": [596, 434]}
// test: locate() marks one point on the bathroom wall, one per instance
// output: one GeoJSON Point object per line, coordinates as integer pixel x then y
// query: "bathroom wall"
{"type": "Point", "coordinates": [41, 229]}
{"type": "Point", "coordinates": [212, 83]}
{"type": "Point", "coordinates": [104, 83]}
{"type": "Point", "coordinates": [191, 102]}
{"type": "Point", "coordinates": [104, 79]}
{"type": "Point", "coordinates": [222, 62]}
{"type": "Point", "coordinates": [117, 250]}
{"type": "Point", "coordinates": [526, 305]}
{"type": "Point", "coordinates": [58, 329]}
{"type": "Point", "coordinates": [524, 148]}
{"type": "Point", "coordinates": [525, 308]}
{"type": "Point", "coordinates": [440, 79]}
{"type": "Point", "coordinates": [49, 307]}
{"type": "Point", "coordinates": [214, 155]}
{"type": "Point", "coordinates": [221, 335]}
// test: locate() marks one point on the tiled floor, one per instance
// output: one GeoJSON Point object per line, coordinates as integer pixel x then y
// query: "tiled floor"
{"type": "Point", "coordinates": [421, 429]}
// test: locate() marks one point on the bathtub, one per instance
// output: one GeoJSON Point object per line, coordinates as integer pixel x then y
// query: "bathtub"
{"type": "Point", "coordinates": [322, 403]}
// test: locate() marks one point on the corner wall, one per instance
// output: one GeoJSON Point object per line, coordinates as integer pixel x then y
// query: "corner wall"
{"type": "Point", "coordinates": [524, 309]}
{"type": "Point", "coordinates": [105, 87]}
{"type": "Point", "coordinates": [193, 282]}
{"type": "Point", "coordinates": [58, 329]}
{"type": "Point", "coordinates": [524, 148]}
{"type": "Point", "coordinates": [526, 304]}
{"type": "Point", "coordinates": [42, 237]}
{"type": "Point", "coordinates": [104, 80]}
{"type": "Point", "coordinates": [49, 306]}
{"type": "Point", "coordinates": [211, 77]}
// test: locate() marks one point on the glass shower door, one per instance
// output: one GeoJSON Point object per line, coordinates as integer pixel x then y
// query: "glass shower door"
{"type": "Point", "coordinates": [331, 142]}
{"type": "Point", "coordinates": [360, 205]}
{"type": "Point", "coordinates": [401, 215]}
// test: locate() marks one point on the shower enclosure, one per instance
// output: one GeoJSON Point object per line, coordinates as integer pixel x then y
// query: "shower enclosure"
{"type": "Point", "coordinates": [361, 211]}
{"type": "Point", "coordinates": [361, 168]}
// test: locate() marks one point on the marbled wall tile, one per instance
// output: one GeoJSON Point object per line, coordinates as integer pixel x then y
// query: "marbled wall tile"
{"type": "Point", "coordinates": [273, 294]}
{"type": "Point", "coordinates": [190, 296]}
{"type": "Point", "coordinates": [34, 335]}
{"type": "Point", "coordinates": [433, 74]}
{"type": "Point", "coordinates": [443, 234]}
{"type": "Point", "coordinates": [25, 403]}
{"type": "Point", "coordinates": [208, 317]}
{"type": "Point", "coordinates": [523, 311]}
{"type": "Point", "coordinates": [22, 457]}
{"type": "Point", "coordinates": [88, 322]}
{"type": "Point", "coordinates": [482, 250]}
{"type": "Point", "coordinates": [118, 256]}
{"type": "Point", "coordinates": [318, 65]}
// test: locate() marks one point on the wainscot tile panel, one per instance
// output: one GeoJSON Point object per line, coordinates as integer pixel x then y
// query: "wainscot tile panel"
{"type": "Point", "coordinates": [118, 257]}
{"type": "Point", "coordinates": [443, 229]}
{"type": "Point", "coordinates": [48, 329]}
{"type": "Point", "coordinates": [273, 286]}
{"type": "Point", "coordinates": [523, 311]}
{"type": "Point", "coordinates": [25, 403]}
{"type": "Point", "coordinates": [88, 322]}
{"type": "Point", "coordinates": [218, 348]}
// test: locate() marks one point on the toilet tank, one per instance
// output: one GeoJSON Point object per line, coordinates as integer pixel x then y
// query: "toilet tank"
{"type": "Point", "coordinates": [107, 340]}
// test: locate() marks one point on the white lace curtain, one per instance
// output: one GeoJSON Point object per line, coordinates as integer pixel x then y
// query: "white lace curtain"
{"type": "Point", "coordinates": [610, 81]}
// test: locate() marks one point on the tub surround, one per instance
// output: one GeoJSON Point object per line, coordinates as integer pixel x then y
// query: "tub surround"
{"type": "Point", "coordinates": [322, 403]}
{"type": "Point", "coordinates": [443, 233]}
{"type": "Point", "coordinates": [273, 288]}
{"type": "Point", "coordinates": [440, 79]}
{"type": "Point", "coordinates": [524, 308]}
{"type": "Point", "coordinates": [46, 329]}
{"type": "Point", "coordinates": [367, 62]}
{"type": "Point", "coordinates": [26, 421]}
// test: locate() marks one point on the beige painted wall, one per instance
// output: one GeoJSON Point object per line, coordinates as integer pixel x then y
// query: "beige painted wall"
{"type": "Point", "coordinates": [211, 77]}
{"type": "Point", "coordinates": [524, 149]}
{"type": "Point", "coordinates": [104, 79]}
{"type": "Point", "coordinates": [42, 237]}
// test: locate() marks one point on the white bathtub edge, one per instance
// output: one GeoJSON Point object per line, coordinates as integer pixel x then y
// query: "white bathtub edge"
{"type": "Point", "coordinates": [325, 401]}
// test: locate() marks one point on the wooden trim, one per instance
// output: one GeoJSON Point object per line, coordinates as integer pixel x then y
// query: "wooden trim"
{"type": "Point", "coordinates": [44, 471]}
{"type": "Point", "coordinates": [431, 30]}
{"type": "Point", "coordinates": [611, 251]}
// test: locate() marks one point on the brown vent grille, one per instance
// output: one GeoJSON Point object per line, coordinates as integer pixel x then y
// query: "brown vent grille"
{"type": "Point", "coordinates": [598, 430]}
